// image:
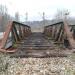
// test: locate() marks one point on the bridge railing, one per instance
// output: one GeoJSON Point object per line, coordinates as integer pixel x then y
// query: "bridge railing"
{"type": "Point", "coordinates": [14, 33]}
{"type": "Point", "coordinates": [61, 32]}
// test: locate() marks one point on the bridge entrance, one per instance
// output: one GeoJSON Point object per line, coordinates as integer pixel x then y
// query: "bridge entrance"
{"type": "Point", "coordinates": [56, 40]}
{"type": "Point", "coordinates": [37, 45]}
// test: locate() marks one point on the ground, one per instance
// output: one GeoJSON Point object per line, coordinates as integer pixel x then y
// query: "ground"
{"type": "Point", "coordinates": [37, 66]}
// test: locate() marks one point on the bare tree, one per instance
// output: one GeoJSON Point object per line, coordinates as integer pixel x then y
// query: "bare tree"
{"type": "Point", "coordinates": [17, 17]}
{"type": "Point", "coordinates": [4, 17]}
{"type": "Point", "coordinates": [61, 14]}
{"type": "Point", "coordinates": [43, 17]}
{"type": "Point", "coordinates": [26, 18]}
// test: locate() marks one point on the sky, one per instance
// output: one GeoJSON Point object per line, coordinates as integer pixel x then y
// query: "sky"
{"type": "Point", "coordinates": [35, 8]}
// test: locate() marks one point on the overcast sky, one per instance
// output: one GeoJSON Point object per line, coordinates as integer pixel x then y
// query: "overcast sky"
{"type": "Point", "coordinates": [36, 7]}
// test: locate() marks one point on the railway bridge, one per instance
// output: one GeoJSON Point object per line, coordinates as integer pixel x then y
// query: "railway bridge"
{"type": "Point", "coordinates": [56, 40]}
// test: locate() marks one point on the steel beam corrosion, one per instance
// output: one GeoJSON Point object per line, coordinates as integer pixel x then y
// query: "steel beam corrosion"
{"type": "Point", "coordinates": [15, 32]}
{"type": "Point", "coordinates": [62, 33]}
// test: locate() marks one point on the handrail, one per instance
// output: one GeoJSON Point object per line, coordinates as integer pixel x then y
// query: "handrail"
{"type": "Point", "coordinates": [20, 24]}
{"type": "Point", "coordinates": [60, 30]}
{"type": "Point", "coordinates": [55, 23]}
{"type": "Point", "coordinates": [15, 28]}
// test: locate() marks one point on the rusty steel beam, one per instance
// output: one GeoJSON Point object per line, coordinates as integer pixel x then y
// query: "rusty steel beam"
{"type": "Point", "coordinates": [17, 31]}
{"type": "Point", "coordinates": [65, 31]}
{"type": "Point", "coordinates": [69, 34]}
{"type": "Point", "coordinates": [9, 28]}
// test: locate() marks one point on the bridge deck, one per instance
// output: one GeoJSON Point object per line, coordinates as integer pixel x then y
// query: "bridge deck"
{"type": "Point", "coordinates": [36, 45]}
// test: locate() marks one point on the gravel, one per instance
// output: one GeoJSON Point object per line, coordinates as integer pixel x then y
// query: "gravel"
{"type": "Point", "coordinates": [38, 66]}
{"type": "Point", "coordinates": [41, 66]}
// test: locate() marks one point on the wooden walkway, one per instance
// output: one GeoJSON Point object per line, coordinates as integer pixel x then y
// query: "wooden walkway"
{"type": "Point", "coordinates": [36, 45]}
{"type": "Point", "coordinates": [20, 41]}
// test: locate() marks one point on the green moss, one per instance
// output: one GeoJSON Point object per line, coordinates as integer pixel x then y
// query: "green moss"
{"type": "Point", "coordinates": [14, 45]}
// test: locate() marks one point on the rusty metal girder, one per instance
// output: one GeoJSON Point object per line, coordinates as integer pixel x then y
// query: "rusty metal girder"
{"type": "Point", "coordinates": [61, 30]}
{"type": "Point", "coordinates": [69, 34]}
{"type": "Point", "coordinates": [14, 33]}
